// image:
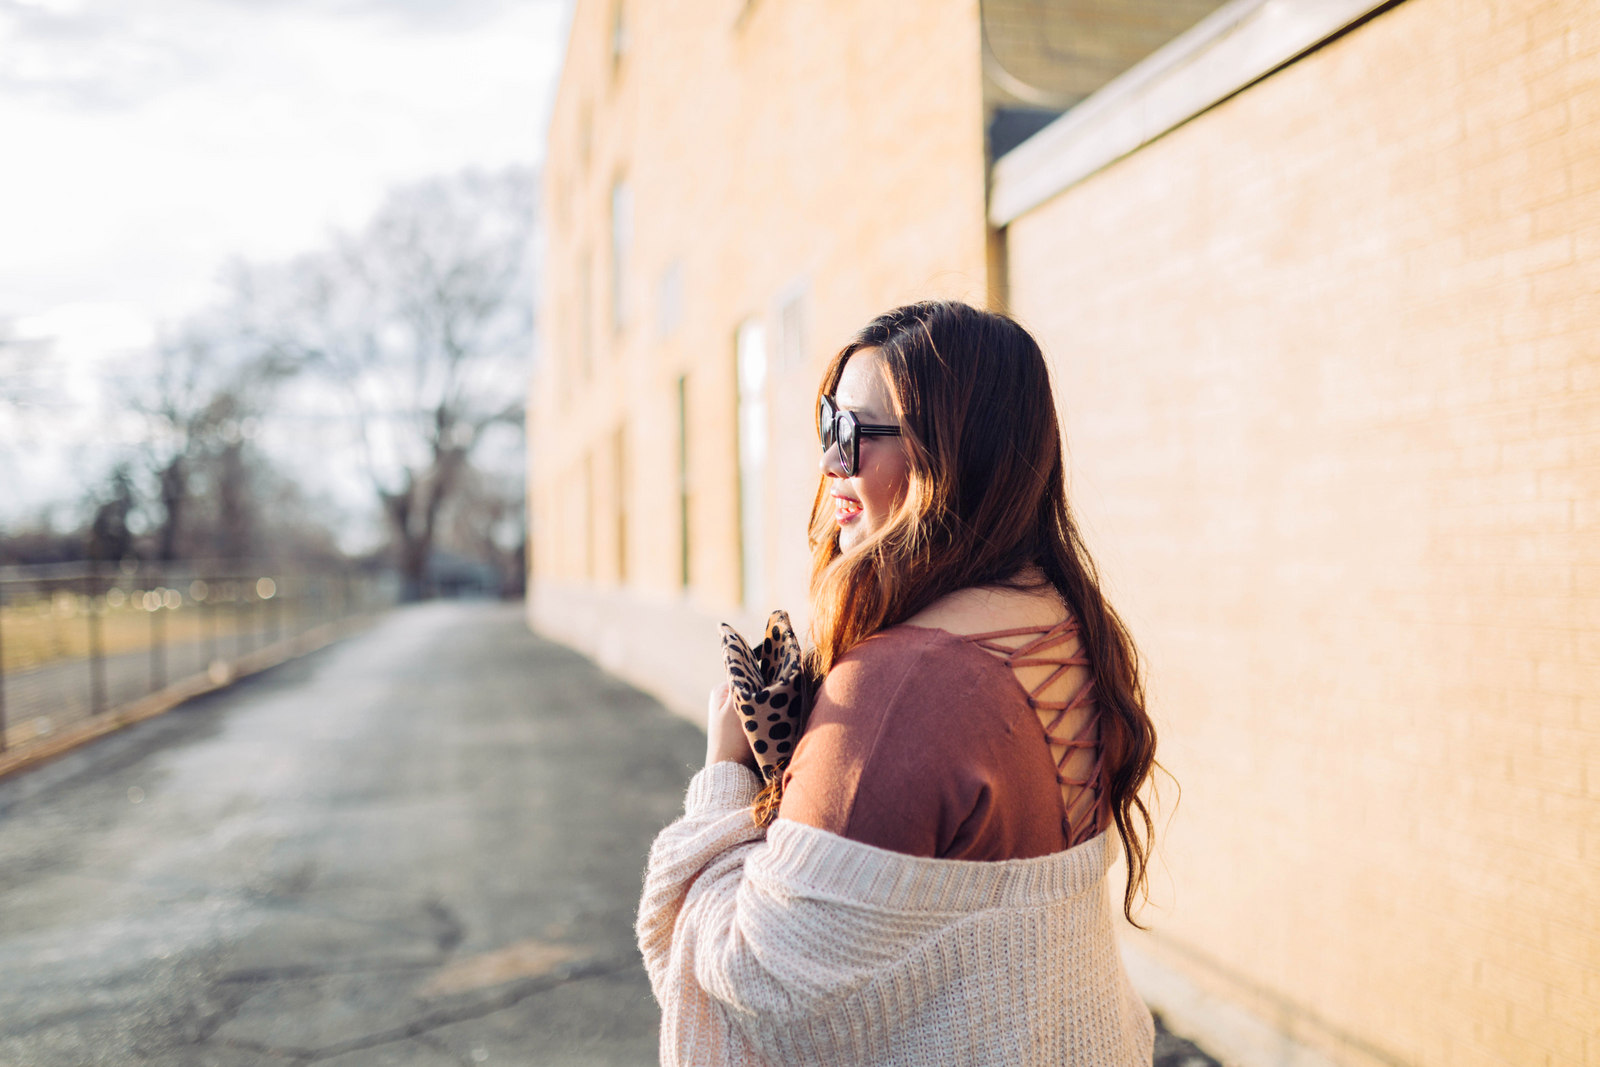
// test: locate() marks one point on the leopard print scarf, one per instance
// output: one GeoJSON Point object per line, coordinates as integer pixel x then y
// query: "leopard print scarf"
{"type": "Point", "coordinates": [773, 694]}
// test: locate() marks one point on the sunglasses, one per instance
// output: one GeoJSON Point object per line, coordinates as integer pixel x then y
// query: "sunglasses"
{"type": "Point", "coordinates": [842, 428]}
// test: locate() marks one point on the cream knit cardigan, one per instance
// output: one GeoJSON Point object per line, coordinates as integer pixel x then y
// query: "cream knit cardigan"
{"type": "Point", "coordinates": [795, 946]}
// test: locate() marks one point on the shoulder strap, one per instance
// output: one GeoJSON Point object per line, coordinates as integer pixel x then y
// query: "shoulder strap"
{"type": "Point", "coordinates": [1082, 785]}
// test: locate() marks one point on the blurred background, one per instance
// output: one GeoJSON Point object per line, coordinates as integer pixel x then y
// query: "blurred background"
{"type": "Point", "coordinates": [268, 277]}
{"type": "Point", "coordinates": [310, 310]}
{"type": "Point", "coordinates": [266, 325]}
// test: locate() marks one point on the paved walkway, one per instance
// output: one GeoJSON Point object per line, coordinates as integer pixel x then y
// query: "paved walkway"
{"type": "Point", "coordinates": [422, 846]}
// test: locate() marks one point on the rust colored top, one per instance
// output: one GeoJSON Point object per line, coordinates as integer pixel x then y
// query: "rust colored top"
{"type": "Point", "coordinates": [977, 746]}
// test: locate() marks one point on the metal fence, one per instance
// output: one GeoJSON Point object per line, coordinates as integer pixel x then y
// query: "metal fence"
{"type": "Point", "coordinates": [77, 641]}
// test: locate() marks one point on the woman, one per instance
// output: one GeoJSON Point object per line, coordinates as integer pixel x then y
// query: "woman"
{"type": "Point", "coordinates": [933, 888]}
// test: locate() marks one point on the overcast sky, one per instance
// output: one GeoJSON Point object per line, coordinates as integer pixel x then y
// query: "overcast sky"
{"type": "Point", "coordinates": [144, 143]}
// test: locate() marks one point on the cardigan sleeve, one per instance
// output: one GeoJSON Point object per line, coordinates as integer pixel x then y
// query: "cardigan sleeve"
{"type": "Point", "coordinates": [734, 959]}
{"type": "Point", "coordinates": [688, 922]}
{"type": "Point", "coordinates": [706, 845]}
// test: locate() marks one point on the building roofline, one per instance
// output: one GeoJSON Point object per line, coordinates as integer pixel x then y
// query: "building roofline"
{"type": "Point", "coordinates": [1224, 53]}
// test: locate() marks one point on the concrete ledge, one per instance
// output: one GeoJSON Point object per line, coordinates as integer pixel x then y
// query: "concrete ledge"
{"type": "Point", "coordinates": [1234, 1020]}
{"type": "Point", "coordinates": [164, 700]}
{"type": "Point", "coordinates": [1235, 46]}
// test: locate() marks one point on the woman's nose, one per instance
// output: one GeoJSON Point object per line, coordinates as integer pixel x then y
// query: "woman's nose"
{"type": "Point", "coordinates": [830, 463]}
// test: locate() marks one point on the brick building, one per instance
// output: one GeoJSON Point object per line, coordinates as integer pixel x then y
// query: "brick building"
{"type": "Point", "coordinates": [1319, 283]}
{"type": "Point", "coordinates": [722, 207]}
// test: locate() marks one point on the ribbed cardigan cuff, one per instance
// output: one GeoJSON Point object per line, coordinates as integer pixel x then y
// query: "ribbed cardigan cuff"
{"type": "Point", "coordinates": [723, 786]}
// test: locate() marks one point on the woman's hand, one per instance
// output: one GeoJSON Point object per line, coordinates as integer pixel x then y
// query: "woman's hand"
{"type": "Point", "coordinates": [725, 739]}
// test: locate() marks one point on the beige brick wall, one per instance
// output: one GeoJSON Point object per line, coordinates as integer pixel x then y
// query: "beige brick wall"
{"type": "Point", "coordinates": [1329, 361]}
{"type": "Point", "coordinates": [830, 149]}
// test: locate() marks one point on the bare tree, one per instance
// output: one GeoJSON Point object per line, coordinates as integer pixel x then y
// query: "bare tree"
{"type": "Point", "coordinates": [423, 321]}
{"type": "Point", "coordinates": [111, 538]}
{"type": "Point", "coordinates": [200, 399]}
{"type": "Point", "coordinates": [487, 521]}
{"type": "Point", "coordinates": [174, 400]}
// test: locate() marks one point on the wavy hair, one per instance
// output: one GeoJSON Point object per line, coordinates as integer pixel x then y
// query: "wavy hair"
{"type": "Point", "coordinates": [986, 497]}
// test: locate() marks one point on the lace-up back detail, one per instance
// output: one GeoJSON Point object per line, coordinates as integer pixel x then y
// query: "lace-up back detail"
{"type": "Point", "coordinates": [1053, 671]}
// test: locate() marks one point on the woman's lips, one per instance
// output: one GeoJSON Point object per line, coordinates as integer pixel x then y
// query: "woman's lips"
{"type": "Point", "coordinates": [845, 509]}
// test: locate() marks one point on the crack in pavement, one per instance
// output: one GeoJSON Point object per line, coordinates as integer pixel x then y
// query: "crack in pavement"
{"type": "Point", "coordinates": [433, 1020]}
{"type": "Point", "coordinates": [451, 929]}
{"type": "Point", "coordinates": [292, 972]}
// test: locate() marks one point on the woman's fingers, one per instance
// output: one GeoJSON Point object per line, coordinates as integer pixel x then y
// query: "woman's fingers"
{"type": "Point", "coordinates": [716, 707]}
{"type": "Point", "coordinates": [725, 735]}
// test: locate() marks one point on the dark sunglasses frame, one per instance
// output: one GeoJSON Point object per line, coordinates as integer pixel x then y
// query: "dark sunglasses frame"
{"type": "Point", "coordinates": [837, 427]}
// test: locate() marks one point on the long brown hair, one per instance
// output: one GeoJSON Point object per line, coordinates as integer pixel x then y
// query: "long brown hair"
{"type": "Point", "coordinates": [986, 497]}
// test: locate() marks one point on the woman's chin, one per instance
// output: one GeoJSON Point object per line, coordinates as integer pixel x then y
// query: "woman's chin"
{"type": "Point", "coordinates": [851, 534]}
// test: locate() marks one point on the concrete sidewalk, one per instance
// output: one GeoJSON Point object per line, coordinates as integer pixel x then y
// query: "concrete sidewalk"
{"type": "Point", "coordinates": [421, 846]}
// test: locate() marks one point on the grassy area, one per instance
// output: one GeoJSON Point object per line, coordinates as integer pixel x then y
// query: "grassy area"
{"type": "Point", "coordinates": [46, 631]}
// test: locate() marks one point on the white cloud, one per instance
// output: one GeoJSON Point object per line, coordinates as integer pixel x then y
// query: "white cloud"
{"type": "Point", "coordinates": [286, 120]}
{"type": "Point", "coordinates": [148, 142]}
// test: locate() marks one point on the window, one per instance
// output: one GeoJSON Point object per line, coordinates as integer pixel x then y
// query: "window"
{"type": "Point", "coordinates": [619, 36]}
{"type": "Point", "coordinates": [585, 316]}
{"type": "Point", "coordinates": [588, 516]}
{"type": "Point", "coordinates": [621, 242]}
{"type": "Point", "coordinates": [751, 368]}
{"type": "Point", "coordinates": [585, 136]}
{"type": "Point", "coordinates": [683, 481]}
{"type": "Point", "coordinates": [792, 333]}
{"type": "Point", "coordinates": [669, 300]}
{"type": "Point", "coordinates": [619, 490]}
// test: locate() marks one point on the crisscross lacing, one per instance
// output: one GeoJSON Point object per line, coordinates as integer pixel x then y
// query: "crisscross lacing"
{"type": "Point", "coordinates": [1083, 806]}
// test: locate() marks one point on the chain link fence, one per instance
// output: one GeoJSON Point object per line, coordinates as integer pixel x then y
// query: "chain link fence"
{"type": "Point", "coordinates": [79, 641]}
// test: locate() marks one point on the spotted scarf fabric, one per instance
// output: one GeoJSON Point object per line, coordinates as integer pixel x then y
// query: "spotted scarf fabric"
{"type": "Point", "coordinates": [769, 685]}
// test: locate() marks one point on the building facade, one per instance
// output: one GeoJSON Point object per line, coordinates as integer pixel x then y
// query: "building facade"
{"type": "Point", "coordinates": [1333, 402]}
{"type": "Point", "coordinates": [722, 211]}
{"type": "Point", "coordinates": [1318, 283]}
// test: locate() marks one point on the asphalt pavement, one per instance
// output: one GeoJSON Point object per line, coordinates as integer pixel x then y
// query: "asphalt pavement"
{"type": "Point", "coordinates": [421, 846]}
